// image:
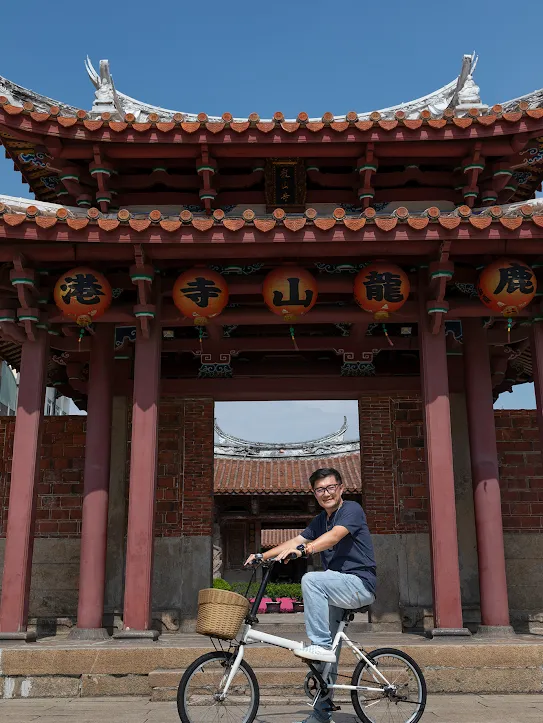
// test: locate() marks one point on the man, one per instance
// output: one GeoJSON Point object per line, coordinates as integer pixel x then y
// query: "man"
{"type": "Point", "coordinates": [340, 533]}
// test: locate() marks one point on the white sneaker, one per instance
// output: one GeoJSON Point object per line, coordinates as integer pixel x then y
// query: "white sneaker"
{"type": "Point", "coordinates": [316, 652]}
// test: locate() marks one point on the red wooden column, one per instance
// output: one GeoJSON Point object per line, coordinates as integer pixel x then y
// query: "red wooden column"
{"type": "Point", "coordinates": [484, 474]}
{"type": "Point", "coordinates": [92, 568]}
{"type": "Point", "coordinates": [142, 487]}
{"type": "Point", "coordinates": [22, 494]}
{"type": "Point", "coordinates": [438, 444]}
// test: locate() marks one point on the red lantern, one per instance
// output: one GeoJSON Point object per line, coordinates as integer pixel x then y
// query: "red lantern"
{"type": "Point", "coordinates": [200, 294]}
{"type": "Point", "coordinates": [507, 286]}
{"type": "Point", "coordinates": [381, 289]}
{"type": "Point", "coordinates": [83, 295]}
{"type": "Point", "coordinates": [290, 292]}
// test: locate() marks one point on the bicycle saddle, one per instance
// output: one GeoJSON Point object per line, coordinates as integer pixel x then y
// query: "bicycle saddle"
{"type": "Point", "coordinates": [348, 613]}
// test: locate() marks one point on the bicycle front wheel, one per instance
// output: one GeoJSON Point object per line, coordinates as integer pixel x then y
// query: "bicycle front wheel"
{"type": "Point", "coordinates": [398, 694]}
{"type": "Point", "coordinates": [200, 694]}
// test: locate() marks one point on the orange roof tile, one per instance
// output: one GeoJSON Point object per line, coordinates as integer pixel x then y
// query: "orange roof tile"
{"type": "Point", "coordinates": [293, 222]}
{"type": "Point", "coordinates": [281, 476]}
{"type": "Point", "coordinates": [272, 538]}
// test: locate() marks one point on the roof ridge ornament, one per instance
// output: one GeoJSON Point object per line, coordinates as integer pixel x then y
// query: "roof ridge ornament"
{"type": "Point", "coordinates": [105, 97]}
{"type": "Point", "coordinates": [467, 94]}
{"type": "Point", "coordinates": [227, 440]}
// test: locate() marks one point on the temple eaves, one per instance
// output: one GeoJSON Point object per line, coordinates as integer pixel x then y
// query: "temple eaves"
{"type": "Point", "coordinates": [330, 445]}
{"type": "Point", "coordinates": [461, 94]}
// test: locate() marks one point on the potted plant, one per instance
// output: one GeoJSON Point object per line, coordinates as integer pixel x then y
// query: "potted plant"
{"type": "Point", "coordinates": [296, 593]}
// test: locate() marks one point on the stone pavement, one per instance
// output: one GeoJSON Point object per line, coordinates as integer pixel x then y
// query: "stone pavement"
{"type": "Point", "coordinates": [440, 709]}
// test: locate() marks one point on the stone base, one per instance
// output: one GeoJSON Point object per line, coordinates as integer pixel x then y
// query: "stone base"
{"type": "Point", "coordinates": [495, 631]}
{"type": "Point", "coordinates": [88, 634]}
{"type": "Point", "coordinates": [29, 636]}
{"type": "Point", "coordinates": [137, 635]}
{"type": "Point", "coordinates": [445, 632]}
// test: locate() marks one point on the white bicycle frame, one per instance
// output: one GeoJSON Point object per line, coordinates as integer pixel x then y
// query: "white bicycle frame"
{"type": "Point", "coordinates": [250, 635]}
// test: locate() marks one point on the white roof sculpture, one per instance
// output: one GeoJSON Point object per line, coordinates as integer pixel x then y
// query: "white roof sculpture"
{"type": "Point", "coordinates": [227, 445]}
{"type": "Point", "coordinates": [461, 94]}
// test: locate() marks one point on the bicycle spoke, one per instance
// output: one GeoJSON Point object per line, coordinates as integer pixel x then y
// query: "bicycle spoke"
{"type": "Point", "coordinates": [399, 703]}
{"type": "Point", "coordinates": [207, 681]}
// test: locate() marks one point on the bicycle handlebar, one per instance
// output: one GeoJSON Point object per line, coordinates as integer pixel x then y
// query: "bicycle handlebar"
{"type": "Point", "coordinates": [259, 559]}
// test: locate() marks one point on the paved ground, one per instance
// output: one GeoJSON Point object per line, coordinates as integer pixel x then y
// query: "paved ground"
{"type": "Point", "coordinates": [440, 709]}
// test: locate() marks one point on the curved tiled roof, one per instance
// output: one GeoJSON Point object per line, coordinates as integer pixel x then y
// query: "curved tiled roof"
{"type": "Point", "coordinates": [457, 96]}
{"type": "Point", "coordinates": [281, 476]}
{"type": "Point", "coordinates": [510, 219]}
{"type": "Point", "coordinates": [457, 102]}
{"type": "Point", "coordinates": [272, 538]}
{"type": "Point", "coordinates": [513, 113]}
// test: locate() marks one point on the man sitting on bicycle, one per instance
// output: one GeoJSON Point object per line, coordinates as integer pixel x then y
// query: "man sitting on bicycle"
{"type": "Point", "coordinates": [340, 533]}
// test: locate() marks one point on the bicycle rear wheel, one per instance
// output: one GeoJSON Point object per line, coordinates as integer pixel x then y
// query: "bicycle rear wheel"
{"type": "Point", "coordinates": [401, 699]}
{"type": "Point", "coordinates": [200, 688]}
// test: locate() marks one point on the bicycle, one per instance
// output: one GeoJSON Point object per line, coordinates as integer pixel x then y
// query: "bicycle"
{"type": "Point", "coordinates": [222, 686]}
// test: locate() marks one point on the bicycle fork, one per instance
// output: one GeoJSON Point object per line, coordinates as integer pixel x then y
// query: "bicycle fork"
{"type": "Point", "coordinates": [233, 670]}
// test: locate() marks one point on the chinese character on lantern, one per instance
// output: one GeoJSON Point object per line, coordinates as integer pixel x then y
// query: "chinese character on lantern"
{"type": "Point", "coordinates": [83, 294]}
{"type": "Point", "coordinates": [200, 294]}
{"type": "Point", "coordinates": [381, 289]}
{"type": "Point", "coordinates": [507, 286]}
{"type": "Point", "coordinates": [289, 292]}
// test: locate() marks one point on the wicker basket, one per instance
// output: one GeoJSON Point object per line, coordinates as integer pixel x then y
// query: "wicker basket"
{"type": "Point", "coordinates": [220, 613]}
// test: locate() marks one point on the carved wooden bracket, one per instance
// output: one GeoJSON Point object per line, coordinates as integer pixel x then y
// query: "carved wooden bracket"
{"type": "Point", "coordinates": [9, 329]}
{"type": "Point", "coordinates": [367, 166]}
{"type": "Point", "coordinates": [142, 275]}
{"type": "Point", "coordinates": [472, 167]}
{"type": "Point", "coordinates": [74, 370]}
{"type": "Point", "coordinates": [206, 168]}
{"type": "Point", "coordinates": [440, 272]}
{"type": "Point", "coordinates": [24, 281]}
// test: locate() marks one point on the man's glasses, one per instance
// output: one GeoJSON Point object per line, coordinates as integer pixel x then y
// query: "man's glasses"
{"type": "Point", "coordinates": [330, 490]}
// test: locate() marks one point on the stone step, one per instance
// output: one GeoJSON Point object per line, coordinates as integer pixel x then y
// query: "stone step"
{"type": "Point", "coordinates": [273, 682]}
{"type": "Point", "coordinates": [112, 668]}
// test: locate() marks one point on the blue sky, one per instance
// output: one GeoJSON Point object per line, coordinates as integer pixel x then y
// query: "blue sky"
{"type": "Point", "coordinates": [301, 55]}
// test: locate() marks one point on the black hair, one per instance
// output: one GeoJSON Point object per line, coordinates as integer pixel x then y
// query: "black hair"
{"type": "Point", "coordinates": [324, 472]}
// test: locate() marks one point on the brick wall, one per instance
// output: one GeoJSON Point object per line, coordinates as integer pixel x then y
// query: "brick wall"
{"type": "Point", "coordinates": [413, 499]}
{"type": "Point", "coordinates": [60, 487]}
{"type": "Point", "coordinates": [184, 501]}
{"type": "Point", "coordinates": [394, 486]}
{"type": "Point", "coordinates": [395, 494]}
{"type": "Point", "coordinates": [185, 468]}
{"type": "Point", "coordinates": [521, 470]}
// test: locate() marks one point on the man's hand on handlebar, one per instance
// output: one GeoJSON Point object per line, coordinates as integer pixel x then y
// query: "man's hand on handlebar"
{"type": "Point", "coordinates": [285, 556]}
{"type": "Point", "coordinates": [255, 559]}
{"type": "Point", "coordinates": [291, 554]}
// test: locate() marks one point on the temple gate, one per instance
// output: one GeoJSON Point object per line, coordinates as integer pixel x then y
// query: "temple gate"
{"type": "Point", "coordinates": [172, 260]}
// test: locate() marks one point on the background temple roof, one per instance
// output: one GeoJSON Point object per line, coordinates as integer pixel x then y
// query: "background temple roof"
{"type": "Point", "coordinates": [282, 476]}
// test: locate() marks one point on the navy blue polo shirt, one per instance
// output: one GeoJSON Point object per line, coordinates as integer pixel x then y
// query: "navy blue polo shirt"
{"type": "Point", "coordinates": [353, 554]}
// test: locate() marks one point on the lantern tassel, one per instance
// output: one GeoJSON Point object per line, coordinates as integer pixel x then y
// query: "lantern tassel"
{"type": "Point", "coordinates": [200, 337]}
{"type": "Point", "coordinates": [81, 334]}
{"type": "Point", "coordinates": [293, 338]}
{"type": "Point", "coordinates": [387, 336]}
{"type": "Point", "coordinates": [509, 327]}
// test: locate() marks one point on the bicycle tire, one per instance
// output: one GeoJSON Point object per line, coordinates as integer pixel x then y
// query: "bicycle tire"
{"type": "Point", "coordinates": [373, 657]}
{"type": "Point", "coordinates": [222, 656]}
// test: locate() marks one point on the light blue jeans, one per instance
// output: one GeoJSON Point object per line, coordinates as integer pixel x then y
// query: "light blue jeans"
{"type": "Point", "coordinates": [326, 595]}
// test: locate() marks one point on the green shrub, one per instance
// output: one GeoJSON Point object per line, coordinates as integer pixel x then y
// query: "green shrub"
{"type": "Point", "coordinates": [284, 589]}
{"type": "Point", "coordinates": [241, 588]}
{"type": "Point", "coordinates": [274, 590]}
{"type": "Point", "coordinates": [220, 584]}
